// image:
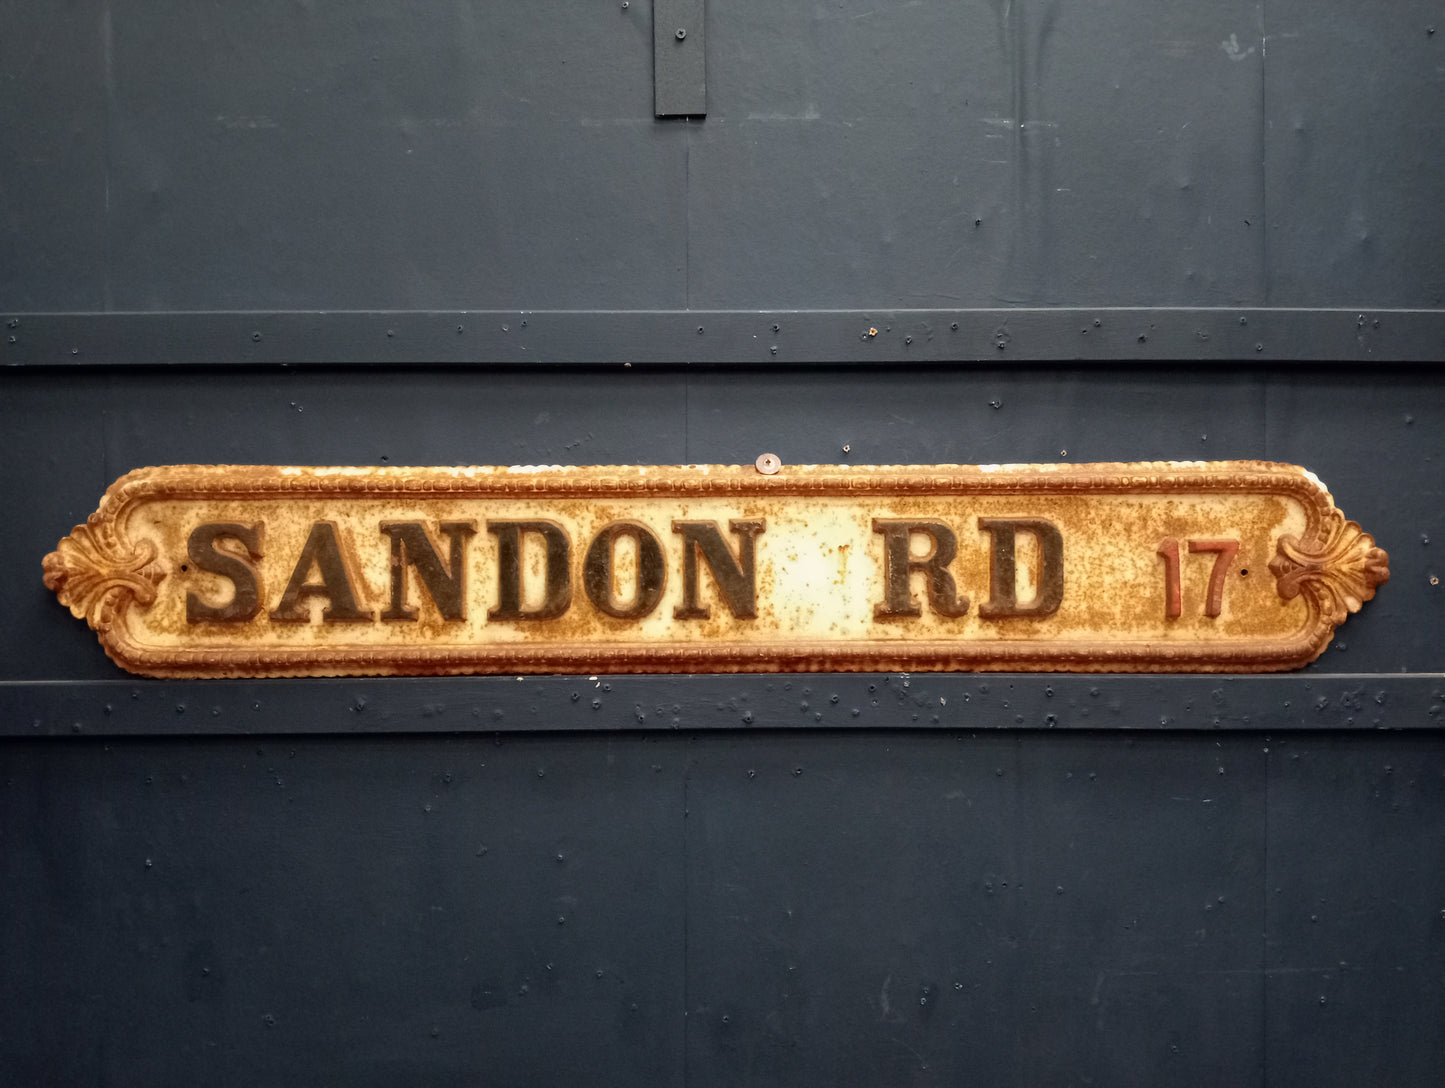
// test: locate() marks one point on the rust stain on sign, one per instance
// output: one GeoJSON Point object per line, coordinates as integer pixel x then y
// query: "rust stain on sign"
{"type": "Point", "coordinates": [217, 570]}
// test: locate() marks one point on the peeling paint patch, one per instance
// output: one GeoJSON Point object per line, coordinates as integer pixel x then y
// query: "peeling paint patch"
{"type": "Point", "coordinates": [1232, 48]}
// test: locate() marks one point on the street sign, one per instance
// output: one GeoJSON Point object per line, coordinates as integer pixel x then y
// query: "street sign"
{"type": "Point", "coordinates": [218, 570]}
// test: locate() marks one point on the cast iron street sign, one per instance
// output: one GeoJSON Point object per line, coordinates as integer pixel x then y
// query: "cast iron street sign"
{"type": "Point", "coordinates": [1241, 566]}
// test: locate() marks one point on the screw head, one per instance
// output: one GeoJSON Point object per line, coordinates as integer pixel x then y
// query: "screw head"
{"type": "Point", "coordinates": [768, 464]}
{"type": "Point", "coordinates": [681, 34]}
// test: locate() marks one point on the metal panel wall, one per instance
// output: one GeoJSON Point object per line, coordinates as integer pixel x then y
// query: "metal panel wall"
{"type": "Point", "coordinates": [272, 156]}
{"type": "Point", "coordinates": [936, 879]}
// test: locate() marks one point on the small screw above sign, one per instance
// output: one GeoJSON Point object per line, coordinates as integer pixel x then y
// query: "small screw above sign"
{"type": "Point", "coordinates": [768, 464]}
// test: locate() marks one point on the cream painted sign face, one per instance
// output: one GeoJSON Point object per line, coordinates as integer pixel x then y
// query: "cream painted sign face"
{"type": "Point", "coordinates": [215, 570]}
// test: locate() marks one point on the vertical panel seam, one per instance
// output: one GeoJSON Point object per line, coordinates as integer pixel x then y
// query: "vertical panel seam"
{"type": "Point", "coordinates": [1264, 939]}
{"type": "Point", "coordinates": [107, 40]}
{"type": "Point", "coordinates": [1264, 150]}
{"type": "Point", "coordinates": [687, 214]}
{"type": "Point", "coordinates": [686, 938]}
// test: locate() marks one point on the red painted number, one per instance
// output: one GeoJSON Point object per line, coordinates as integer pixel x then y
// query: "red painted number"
{"type": "Point", "coordinates": [1224, 552]}
{"type": "Point", "coordinates": [1173, 599]}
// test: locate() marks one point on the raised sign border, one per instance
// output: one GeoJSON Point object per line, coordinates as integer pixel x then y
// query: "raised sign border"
{"type": "Point", "coordinates": [98, 573]}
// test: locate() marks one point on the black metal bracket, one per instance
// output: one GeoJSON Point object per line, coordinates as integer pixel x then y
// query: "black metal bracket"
{"type": "Point", "coordinates": [679, 58]}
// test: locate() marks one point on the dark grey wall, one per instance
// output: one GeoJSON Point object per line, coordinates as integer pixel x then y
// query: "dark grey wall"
{"type": "Point", "coordinates": [928, 879]}
{"type": "Point", "coordinates": [280, 156]}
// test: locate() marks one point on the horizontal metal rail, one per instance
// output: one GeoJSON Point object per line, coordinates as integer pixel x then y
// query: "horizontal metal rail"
{"type": "Point", "coordinates": [587, 704]}
{"type": "Point", "coordinates": [1012, 335]}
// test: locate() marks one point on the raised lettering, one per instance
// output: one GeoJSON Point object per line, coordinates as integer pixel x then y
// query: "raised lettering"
{"type": "Point", "coordinates": [1168, 551]}
{"type": "Point", "coordinates": [899, 564]}
{"type": "Point", "coordinates": [201, 548]}
{"type": "Point", "coordinates": [1003, 568]}
{"type": "Point", "coordinates": [735, 577]}
{"type": "Point", "coordinates": [557, 592]}
{"type": "Point", "coordinates": [323, 551]}
{"type": "Point", "coordinates": [411, 546]}
{"type": "Point", "coordinates": [1224, 553]}
{"type": "Point", "coordinates": [597, 571]}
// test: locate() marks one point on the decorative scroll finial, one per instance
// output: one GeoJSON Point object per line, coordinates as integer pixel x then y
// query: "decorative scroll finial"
{"type": "Point", "coordinates": [96, 574]}
{"type": "Point", "coordinates": [1338, 564]}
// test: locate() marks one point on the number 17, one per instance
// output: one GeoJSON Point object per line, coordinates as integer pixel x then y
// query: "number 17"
{"type": "Point", "coordinates": [1224, 552]}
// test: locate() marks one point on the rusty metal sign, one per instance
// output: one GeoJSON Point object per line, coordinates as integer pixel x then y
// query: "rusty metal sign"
{"type": "Point", "coordinates": [232, 571]}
